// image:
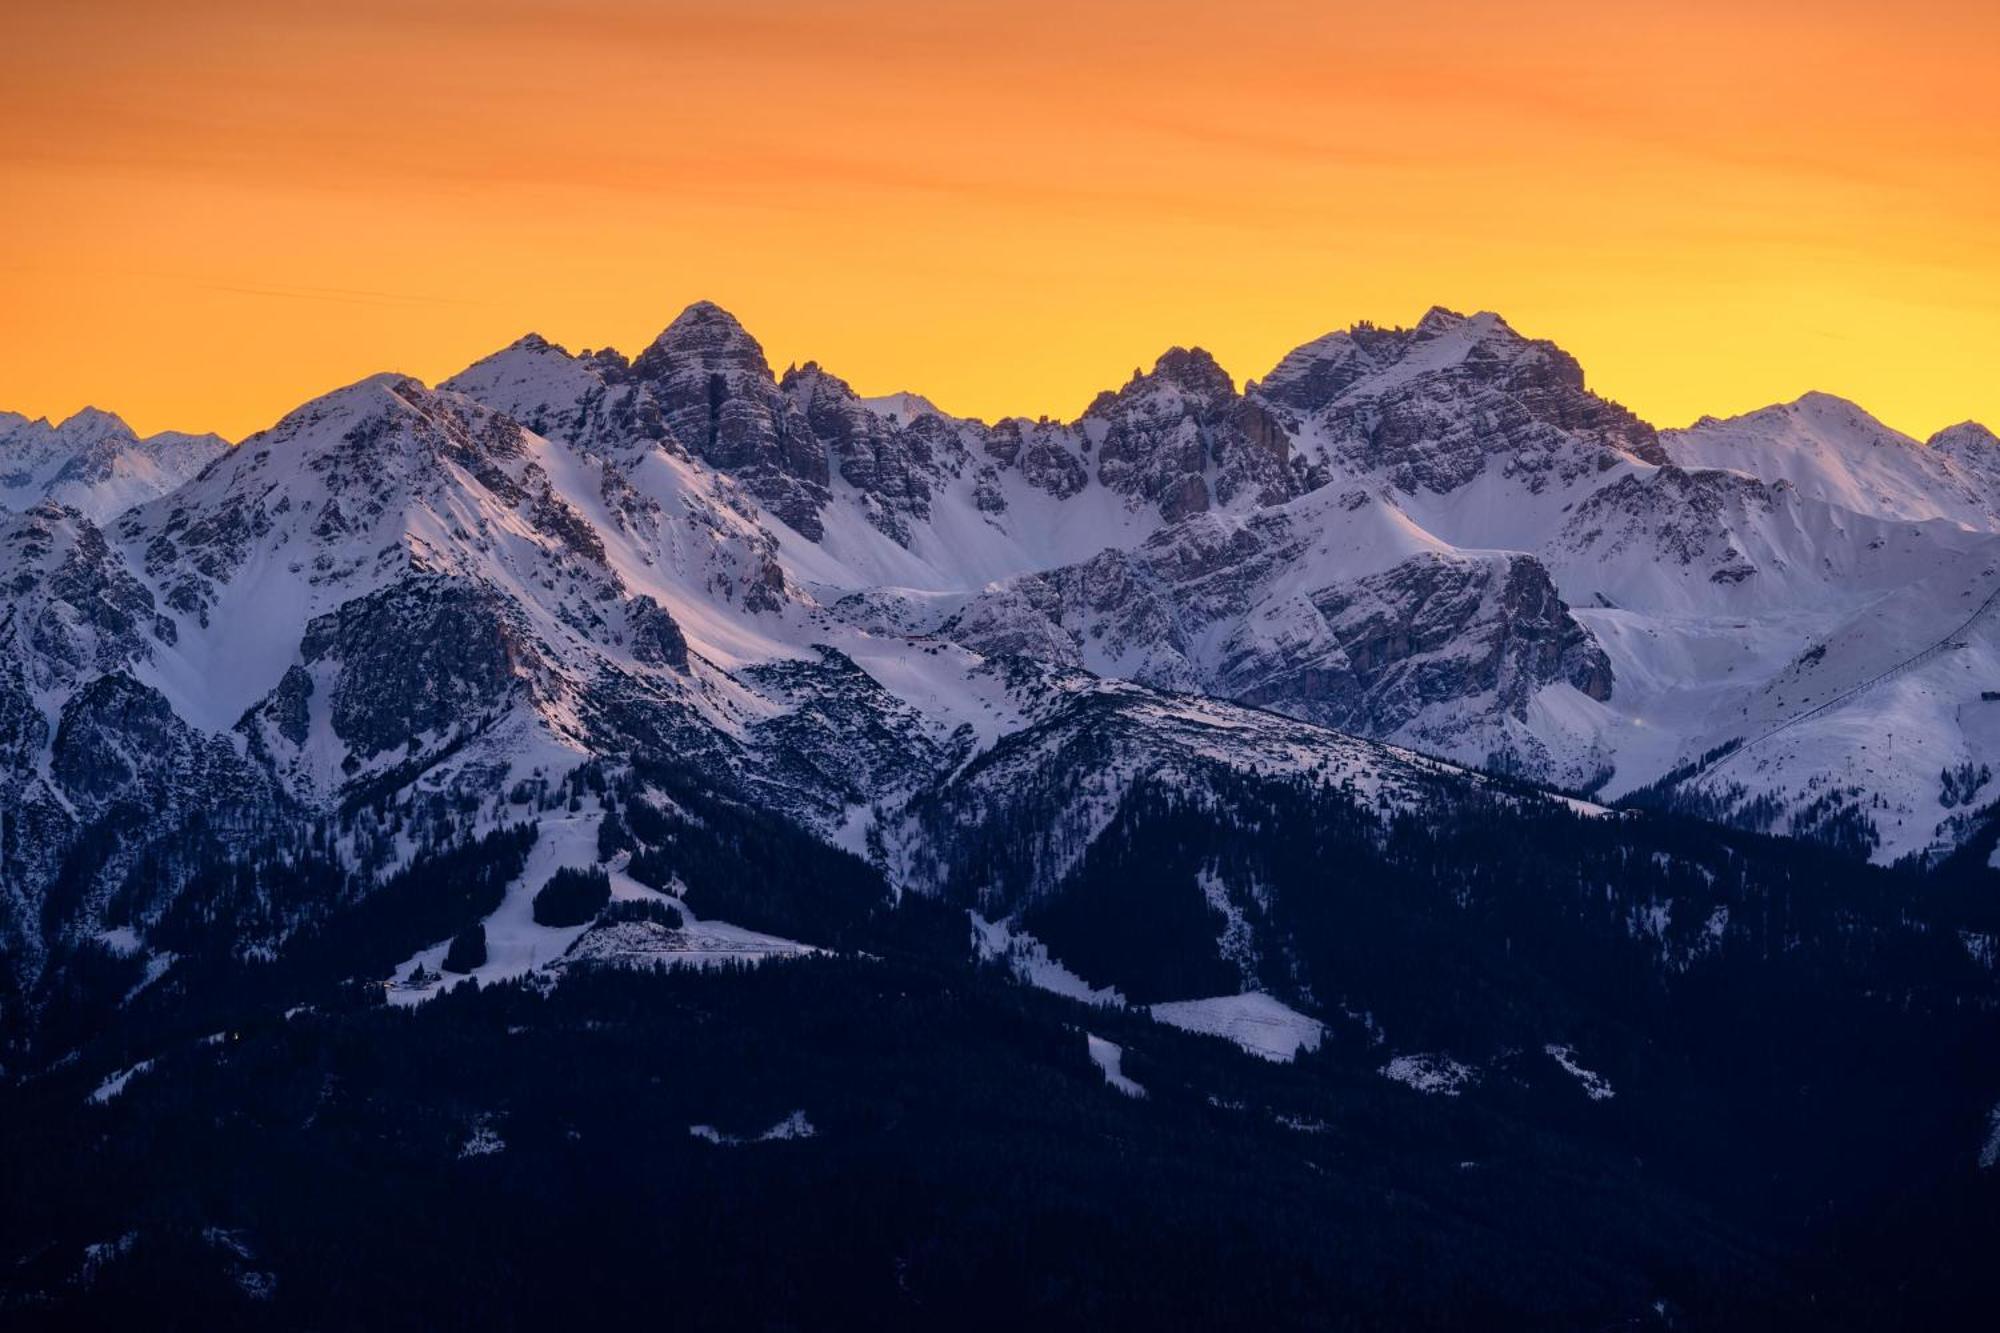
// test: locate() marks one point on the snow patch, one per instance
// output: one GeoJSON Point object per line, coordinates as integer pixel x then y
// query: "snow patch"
{"type": "Point", "coordinates": [1595, 1085]}
{"type": "Point", "coordinates": [484, 1141]}
{"type": "Point", "coordinates": [115, 1085]}
{"type": "Point", "coordinates": [1261, 1024]}
{"type": "Point", "coordinates": [1432, 1074]}
{"type": "Point", "coordinates": [1028, 960]}
{"type": "Point", "coordinates": [793, 1126]}
{"type": "Point", "coordinates": [121, 940]}
{"type": "Point", "coordinates": [1109, 1056]}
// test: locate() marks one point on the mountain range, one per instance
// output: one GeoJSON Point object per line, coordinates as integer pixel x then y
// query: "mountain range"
{"type": "Point", "coordinates": [777, 664]}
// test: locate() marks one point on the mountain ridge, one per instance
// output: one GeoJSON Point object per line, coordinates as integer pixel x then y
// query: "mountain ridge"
{"type": "Point", "coordinates": [1412, 451]}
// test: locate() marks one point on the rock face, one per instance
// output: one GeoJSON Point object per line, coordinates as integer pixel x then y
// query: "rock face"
{"type": "Point", "coordinates": [1180, 438]}
{"type": "Point", "coordinates": [891, 466]}
{"type": "Point", "coordinates": [1430, 408]}
{"type": "Point", "coordinates": [655, 636]}
{"type": "Point", "coordinates": [715, 394]}
{"type": "Point", "coordinates": [1210, 607]}
{"type": "Point", "coordinates": [1438, 630]}
{"type": "Point", "coordinates": [75, 607]}
{"type": "Point", "coordinates": [419, 657]}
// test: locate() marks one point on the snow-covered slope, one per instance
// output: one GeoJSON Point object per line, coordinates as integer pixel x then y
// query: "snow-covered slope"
{"type": "Point", "coordinates": [1831, 450]}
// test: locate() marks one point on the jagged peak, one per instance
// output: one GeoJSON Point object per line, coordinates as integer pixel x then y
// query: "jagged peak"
{"type": "Point", "coordinates": [1440, 319]}
{"type": "Point", "coordinates": [812, 377]}
{"type": "Point", "coordinates": [1441, 338]}
{"type": "Point", "coordinates": [903, 407]}
{"type": "Point", "coordinates": [93, 430]}
{"type": "Point", "coordinates": [1194, 369]}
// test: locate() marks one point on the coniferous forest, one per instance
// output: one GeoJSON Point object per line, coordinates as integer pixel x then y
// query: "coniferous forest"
{"type": "Point", "coordinates": [896, 1134]}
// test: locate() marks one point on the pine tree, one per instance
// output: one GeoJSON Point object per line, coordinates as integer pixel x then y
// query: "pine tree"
{"type": "Point", "coordinates": [468, 950]}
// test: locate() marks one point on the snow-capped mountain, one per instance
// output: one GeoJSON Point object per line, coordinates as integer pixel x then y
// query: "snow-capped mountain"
{"type": "Point", "coordinates": [94, 462]}
{"type": "Point", "coordinates": [857, 612]}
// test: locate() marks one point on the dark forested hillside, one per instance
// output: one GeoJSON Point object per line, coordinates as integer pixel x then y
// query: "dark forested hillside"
{"type": "Point", "coordinates": [1796, 1048]}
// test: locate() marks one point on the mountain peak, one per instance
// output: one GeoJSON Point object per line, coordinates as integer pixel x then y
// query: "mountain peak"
{"type": "Point", "coordinates": [535, 342]}
{"type": "Point", "coordinates": [1439, 319]}
{"type": "Point", "coordinates": [90, 425]}
{"type": "Point", "coordinates": [1818, 400]}
{"type": "Point", "coordinates": [705, 328]}
{"type": "Point", "coordinates": [1195, 370]}
{"type": "Point", "coordinates": [1965, 435]}
{"type": "Point", "coordinates": [1837, 419]}
{"type": "Point", "coordinates": [707, 338]}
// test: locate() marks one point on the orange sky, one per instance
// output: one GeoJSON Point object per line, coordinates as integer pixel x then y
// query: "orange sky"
{"type": "Point", "coordinates": [211, 210]}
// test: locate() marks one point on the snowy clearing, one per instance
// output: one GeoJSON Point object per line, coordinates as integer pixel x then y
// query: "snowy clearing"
{"type": "Point", "coordinates": [1261, 1024]}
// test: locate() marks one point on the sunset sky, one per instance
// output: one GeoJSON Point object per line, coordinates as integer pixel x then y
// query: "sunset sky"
{"type": "Point", "coordinates": [212, 210]}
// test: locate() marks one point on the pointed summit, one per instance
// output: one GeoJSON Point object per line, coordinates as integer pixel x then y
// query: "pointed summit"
{"type": "Point", "coordinates": [707, 333]}
{"type": "Point", "coordinates": [535, 342]}
{"type": "Point", "coordinates": [90, 425]}
{"type": "Point", "coordinates": [1440, 319]}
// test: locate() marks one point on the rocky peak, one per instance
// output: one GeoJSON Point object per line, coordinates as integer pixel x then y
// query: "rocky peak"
{"type": "Point", "coordinates": [1442, 319]}
{"type": "Point", "coordinates": [1180, 437]}
{"type": "Point", "coordinates": [1194, 372]}
{"type": "Point", "coordinates": [715, 394]}
{"type": "Point", "coordinates": [560, 396]}
{"type": "Point", "coordinates": [1432, 405]}
{"type": "Point", "coordinates": [824, 396]}
{"type": "Point", "coordinates": [891, 464]}
{"type": "Point", "coordinates": [708, 334]}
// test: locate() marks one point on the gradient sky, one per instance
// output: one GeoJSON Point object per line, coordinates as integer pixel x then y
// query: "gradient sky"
{"type": "Point", "coordinates": [212, 210]}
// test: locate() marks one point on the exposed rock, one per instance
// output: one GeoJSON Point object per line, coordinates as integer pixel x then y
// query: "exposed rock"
{"type": "Point", "coordinates": [1165, 435]}
{"type": "Point", "coordinates": [1430, 408]}
{"type": "Point", "coordinates": [656, 637]}
{"type": "Point", "coordinates": [716, 395]}
{"type": "Point", "coordinates": [422, 656]}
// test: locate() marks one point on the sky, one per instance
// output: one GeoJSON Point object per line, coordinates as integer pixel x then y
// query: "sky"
{"type": "Point", "coordinates": [213, 210]}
